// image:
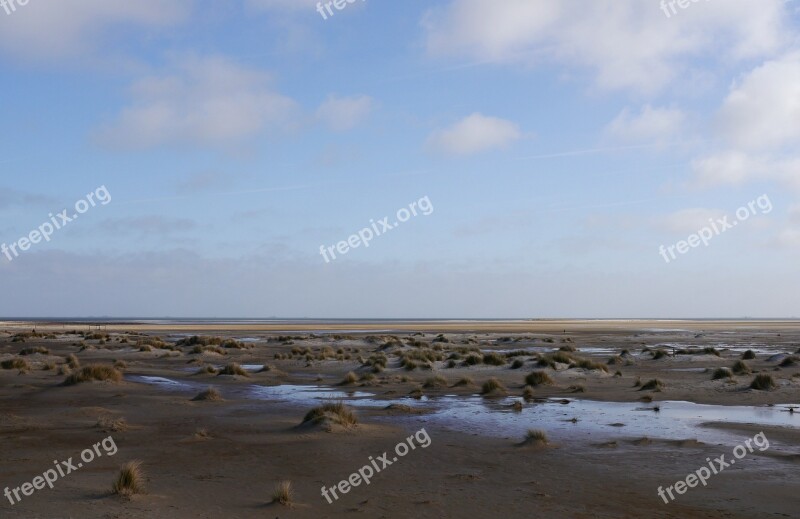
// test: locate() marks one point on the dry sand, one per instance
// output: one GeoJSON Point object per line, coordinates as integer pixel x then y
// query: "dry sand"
{"type": "Point", "coordinates": [222, 459]}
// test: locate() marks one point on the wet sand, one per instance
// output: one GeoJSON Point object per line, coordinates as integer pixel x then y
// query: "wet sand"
{"type": "Point", "coordinates": [609, 448]}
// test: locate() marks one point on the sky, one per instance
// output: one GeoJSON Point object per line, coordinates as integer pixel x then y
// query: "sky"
{"type": "Point", "coordinates": [550, 158]}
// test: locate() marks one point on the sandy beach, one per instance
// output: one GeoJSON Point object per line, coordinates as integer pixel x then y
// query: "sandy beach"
{"type": "Point", "coordinates": [611, 439]}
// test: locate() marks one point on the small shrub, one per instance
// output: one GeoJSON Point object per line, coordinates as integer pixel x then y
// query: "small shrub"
{"type": "Point", "coordinates": [518, 363]}
{"type": "Point", "coordinates": [749, 355]}
{"type": "Point", "coordinates": [788, 362]}
{"type": "Point", "coordinates": [464, 381]}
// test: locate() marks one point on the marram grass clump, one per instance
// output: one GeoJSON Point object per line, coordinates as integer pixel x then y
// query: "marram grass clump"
{"type": "Point", "coordinates": [492, 386]}
{"type": "Point", "coordinates": [94, 372]}
{"type": "Point", "coordinates": [538, 378]}
{"type": "Point", "coordinates": [283, 493]}
{"type": "Point", "coordinates": [763, 382]}
{"type": "Point", "coordinates": [209, 395]}
{"type": "Point", "coordinates": [337, 413]}
{"type": "Point", "coordinates": [130, 479]}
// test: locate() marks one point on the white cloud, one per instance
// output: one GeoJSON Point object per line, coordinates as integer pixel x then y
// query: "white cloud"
{"type": "Point", "coordinates": [628, 44]}
{"type": "Point", "coordinates": [344, 113]}
{"type": "Point", "coordinates": [762, 111]}
{"type": "Point", "coordinates": [474, 134]}
{"type": "Point", "coordinates": [759, 128]}
{"type": "Point", "coordinates": [202, 100]}
{"type": "Point", "coordinates": [58, 28]}
{"type": "Point", "coordinates": [651, 125]}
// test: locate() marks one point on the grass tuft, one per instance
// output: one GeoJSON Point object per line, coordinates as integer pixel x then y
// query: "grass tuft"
{"type": "Point", "coordinates": [436, 382]}
{"type": "Point", "coordinates": [335, 412]}
{"type": "Point", "coordinates": [763, 382]}
{"type": "Point", "coordinates": [535, 437]}
{"type": "Point", "coordinates": [94, 372]}
{"type": "Point", "coordinates": [492, 386]}
{"type": "Point", "coordinates": [350, 379]}
{"type": "Point", "coordinates": [130, 479]}
{"type": "Point", "coordinates": [283, 493]}
{"type": "Point", "coordinates": [234, 369]}
{"type": "Point", "coordinates": [538, 378]}
{"type": "Point", "coordinates": [209, 395]}
{"type": "Point", "coordinates": [653, 385]}
{"type": "Point", "coordinates": [721, 373]}
{"type": "Point", "coordinates": [741, 368]}
{"type": "Point", "coordinates": [15, 363]}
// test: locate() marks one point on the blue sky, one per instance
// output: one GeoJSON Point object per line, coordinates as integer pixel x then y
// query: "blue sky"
{"type": "Point", "coordinates": [560, 142]}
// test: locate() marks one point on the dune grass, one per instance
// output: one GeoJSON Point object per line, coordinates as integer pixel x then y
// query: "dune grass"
{"type": "Point", "coordinates": [72, 361]}
{"type": "Point", "coordinates": [15, 363]}
{"type": "Point", "coordinates": [591, 365]}
{"type": "Point", "coordinates": [209, 395]}
{"type": "Point", "coordinates": [538, 378]}
{"type": "Point", "coordinates": [528, 393]}
{"type": "Point", "coordinates": [492, 386]}
{"type": "Point", "coordinates": [652, 385]}
{"type": "Point", "coordinates": [234, 369]}
{"type": "Point", "coordinates": [92, 373]}
{"type": "Point", "coordinates": [763, 382]}
{"type": "Point", "coordinates": [349, 379]}
{"type": "Point", "coordinates": [436, 382]}
{"type": "Point", "coordinates": [741, 368]}
{"type": "Point", "coordinates": [130, 479]}
{"type": "Point", "coordinates": [35, 349]}
{"type": "Point", "coordinates": [335, 412]}
{"type": "Point", "coordinates": [721, 373]}
{"type": "Point", "coordinates": [535, 437]}
{"type": "Point", "coordinates": [494, 359]}
{"type": "Point", "coordinates": [464, 381]}
{"type": "Point", "coordinates": [283, 493]}
{"type": "Point", "coordinates": [110, 424]}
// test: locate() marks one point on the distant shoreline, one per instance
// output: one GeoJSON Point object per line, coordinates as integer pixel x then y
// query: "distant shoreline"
{"type": "Point", "coordinates": [404, 325]}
